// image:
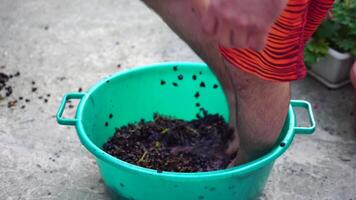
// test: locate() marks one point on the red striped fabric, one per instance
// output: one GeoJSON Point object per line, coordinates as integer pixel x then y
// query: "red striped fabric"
{"type": "Point", "coordinates": [282, 58]}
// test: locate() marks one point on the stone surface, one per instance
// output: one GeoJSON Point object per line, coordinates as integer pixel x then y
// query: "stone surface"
{"type": "Point", "coordinates": [64, 45]}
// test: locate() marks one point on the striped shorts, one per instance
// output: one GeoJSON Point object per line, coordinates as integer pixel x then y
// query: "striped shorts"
{"type": "Point", "coordinates": [282, 59]}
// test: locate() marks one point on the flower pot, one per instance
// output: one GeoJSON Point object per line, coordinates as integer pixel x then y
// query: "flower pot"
{"type": "Point", "coordinates": [138, 93]}
{"type": "Point", "coordinates": [333, 70]}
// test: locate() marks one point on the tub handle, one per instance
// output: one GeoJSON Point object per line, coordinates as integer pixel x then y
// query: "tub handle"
{"type": "Point", "coordinates": [66, 97]}
{"type": "Point", "coordinates": [308, 107]}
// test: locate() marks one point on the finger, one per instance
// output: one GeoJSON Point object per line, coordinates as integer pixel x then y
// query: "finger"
{"type": "Point", "coordinates": [200, 7]}
{"type": "Point", "coordinates": [257, 39]}
{"type": "Point", "coordinates": [225, 35]}
{"type": "Point", "coordinates": [238, 35]}
{"type": "Point", "coordinates": [210, 20]}
{"type": "Point", "coordinates": [210, 24]}
{"type": "Point", "coordinates": [239, 39]}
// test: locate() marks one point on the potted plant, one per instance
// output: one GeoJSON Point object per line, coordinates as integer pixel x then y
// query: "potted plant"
{"type": "Point", "coordinates": [330, 54]}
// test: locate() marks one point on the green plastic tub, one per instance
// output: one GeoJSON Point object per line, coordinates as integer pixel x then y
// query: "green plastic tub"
{"type": "Point", "coordinates": [138, 93]}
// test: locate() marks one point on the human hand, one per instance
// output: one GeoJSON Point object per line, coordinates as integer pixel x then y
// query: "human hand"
{"type": "Point", "coordinates": [239, 23]}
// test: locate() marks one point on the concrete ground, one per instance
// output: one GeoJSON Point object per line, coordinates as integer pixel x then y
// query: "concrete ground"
{"type": "Point", "coordinates": [64, 45]}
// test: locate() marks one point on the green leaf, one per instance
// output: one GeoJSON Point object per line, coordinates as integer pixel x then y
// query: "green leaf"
{"type": "Point", "coordinates": [315, 50]}
{"type": "Point", "coordinates": [353, 52]}
{"type": "Point", "coordinates": [340, 31]}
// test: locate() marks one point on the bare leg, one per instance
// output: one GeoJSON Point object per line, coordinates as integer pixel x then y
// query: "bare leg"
{"type": "Point", "coordinates": [262, 105]}
{"type": "Point", "coordinates": [262, 109]}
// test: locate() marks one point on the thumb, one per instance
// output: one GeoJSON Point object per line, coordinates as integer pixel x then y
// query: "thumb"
{"type": "Point", "coordinates": [201, 6]}
{"type": "Point", "coordinates": [209, 18]}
